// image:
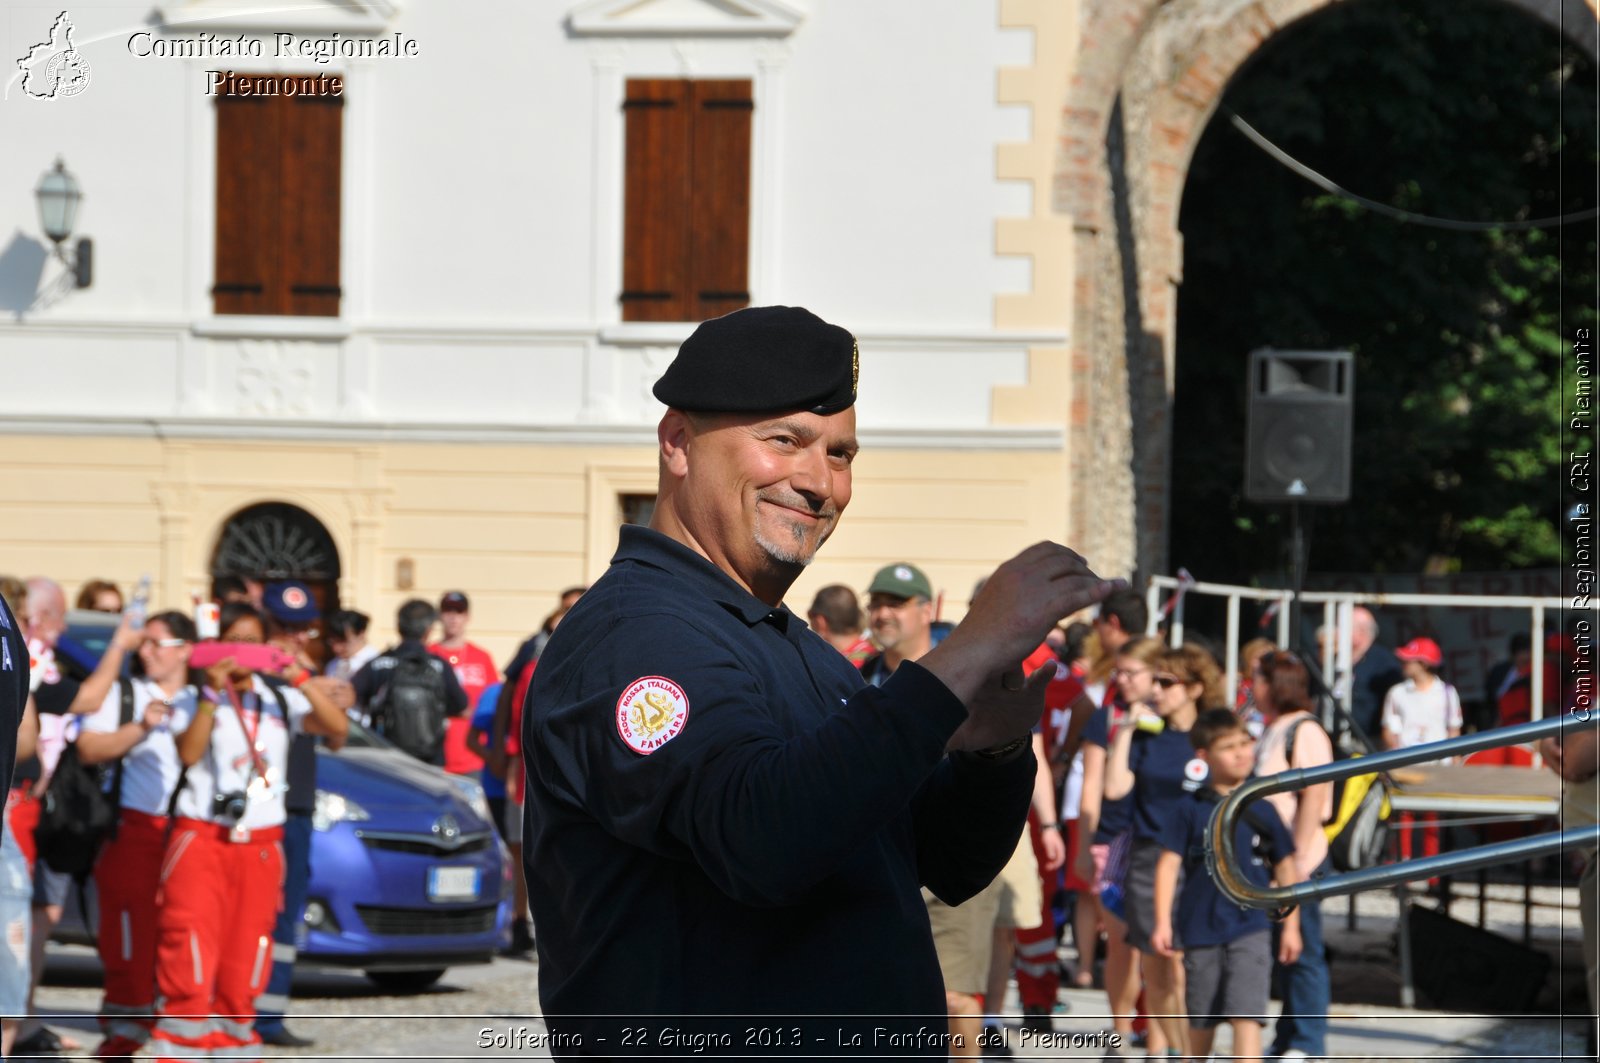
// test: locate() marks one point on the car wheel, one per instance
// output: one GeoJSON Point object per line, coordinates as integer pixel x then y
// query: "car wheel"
{"type": "Point", "coordinates": [405, 981]}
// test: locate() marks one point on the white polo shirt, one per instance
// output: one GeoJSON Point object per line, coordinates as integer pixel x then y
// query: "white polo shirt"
{"type": "Point", "coordinates": [150, 769]}
{"type": "Point", "coordinates": [1421, 716]}
{"type": "Point", "coordinates": [229, 767]}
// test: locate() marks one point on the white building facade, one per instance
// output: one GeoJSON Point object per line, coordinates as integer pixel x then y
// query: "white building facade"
{"type": "Point", "coordinates": [460, 401]}
{"type": "Point", "coordinates": [413, 327]}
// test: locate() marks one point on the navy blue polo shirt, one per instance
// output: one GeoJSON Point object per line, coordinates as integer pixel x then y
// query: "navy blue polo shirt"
{"type": "Point", "coordinates": [13, 688]}
{"type": "Point", "coordinates": [723, 819]}
{"type": "Point", "coordinates": [1162, 775]}
{"type": "Point", "coordinates": [1205, 916]}
{"type": "Point", "coordinates": [1115, 816]}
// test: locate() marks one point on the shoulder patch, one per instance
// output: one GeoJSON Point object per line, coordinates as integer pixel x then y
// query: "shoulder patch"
{"type": "Point", "coordinates": [651, 712]}
{"type": "Point", "coordinates": [1195, 773]}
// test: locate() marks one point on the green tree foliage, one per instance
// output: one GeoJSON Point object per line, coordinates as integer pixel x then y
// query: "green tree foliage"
{"type": "Point", "coordinates": [1462, 109]}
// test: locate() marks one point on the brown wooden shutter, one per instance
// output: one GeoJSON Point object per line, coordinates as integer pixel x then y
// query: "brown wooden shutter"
{"type": "Point", "coordinates": [719, 228]}
{"type": "Point", "coordinates": [655, 263]}
{"type": "Point", "coordinates": [247, 194]}
{"type": "Point", "coordinates": [279, 160]}
{"type": "Point", "coordinates": [309, 212]}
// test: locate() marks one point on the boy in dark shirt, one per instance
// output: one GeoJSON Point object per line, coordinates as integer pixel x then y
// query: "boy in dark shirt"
{"type": "Point", "coordinates": [1227, 949]}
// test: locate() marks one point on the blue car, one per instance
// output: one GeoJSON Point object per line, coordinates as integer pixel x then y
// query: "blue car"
{"type": "Point", "coordinates": [408, 875]}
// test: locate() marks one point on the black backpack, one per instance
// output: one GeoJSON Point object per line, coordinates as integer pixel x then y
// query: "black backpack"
{"type": "Point", "coordinates": [411, 707]}
{"type": "Point", "coordinates": [80, 806]}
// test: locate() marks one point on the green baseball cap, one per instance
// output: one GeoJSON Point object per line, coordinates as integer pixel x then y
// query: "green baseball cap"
{"type": "Point", "coordinates": [901, 580]}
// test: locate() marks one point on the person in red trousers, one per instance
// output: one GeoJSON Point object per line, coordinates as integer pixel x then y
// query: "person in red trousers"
{"type": "Point", "coordinates": [222, 876]}
{"type": "Point", "coordinates": [160, 704]}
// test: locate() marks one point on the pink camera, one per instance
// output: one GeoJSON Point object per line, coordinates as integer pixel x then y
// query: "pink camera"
{"type": "Point", "coordinates": [250, 655]}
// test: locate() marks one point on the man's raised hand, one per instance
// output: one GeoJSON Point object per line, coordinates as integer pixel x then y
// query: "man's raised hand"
{"type": "Point", "coordinates": [1019, 604]}
{"type": "Point", "coordinates": [1004, 708]}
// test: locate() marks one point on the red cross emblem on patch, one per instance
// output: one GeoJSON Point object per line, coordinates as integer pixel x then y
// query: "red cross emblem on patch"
{"type": "Point", "coordinates": [651, 712]}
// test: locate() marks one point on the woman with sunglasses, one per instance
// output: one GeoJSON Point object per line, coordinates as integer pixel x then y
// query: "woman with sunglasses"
{"type": "Point", "coordinates": [128, 872]}
{"type": "Point", "coordinates": [222, 878]}
{"type": "Point", "coordinates": [1154, 762]}
{"type": "Point", "coordinates": [1295, 739]}
{"type": "Point", "coordinates": [1107, 823]}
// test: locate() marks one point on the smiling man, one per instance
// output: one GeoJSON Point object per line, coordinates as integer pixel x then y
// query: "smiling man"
{"type": "Point", "coordinates": [900, 610]}
{"type": "Point", "coordinates": [722, 819]}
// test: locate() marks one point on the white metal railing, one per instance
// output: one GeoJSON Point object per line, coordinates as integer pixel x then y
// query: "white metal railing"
{"type": "Point", "coordinates": [1337, 607]}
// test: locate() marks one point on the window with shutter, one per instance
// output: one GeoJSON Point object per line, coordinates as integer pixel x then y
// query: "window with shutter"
{"type": "Point", "coordinates": [686, 216]}
{"type": "Point", "coordinates": [278, 177]}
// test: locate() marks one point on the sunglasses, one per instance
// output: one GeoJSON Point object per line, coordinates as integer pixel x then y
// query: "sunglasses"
{"type": "Point", "coordinates": [1167, 681]}
{"type": "Point", "coordinates": [166, 643]}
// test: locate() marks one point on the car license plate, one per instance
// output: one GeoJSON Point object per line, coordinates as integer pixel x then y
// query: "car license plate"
{"type": "Point", "coordinates": [453, 883]}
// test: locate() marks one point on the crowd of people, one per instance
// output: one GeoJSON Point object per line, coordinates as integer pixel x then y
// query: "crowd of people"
{"type": "Point", "coordinates": [1138, 741]}
{"type": "Point", "coordinates": [201, 884]}
{"type": "Point", "coordinates": [686, 738]}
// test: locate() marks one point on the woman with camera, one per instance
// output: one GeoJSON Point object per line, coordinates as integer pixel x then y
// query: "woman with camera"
{"type": "Point", "coordinates": [222, 879]}
{"type": "Point", "coordinates": [128, 872]}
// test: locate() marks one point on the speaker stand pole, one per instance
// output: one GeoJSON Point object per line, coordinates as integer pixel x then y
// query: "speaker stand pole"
{"type": "Point", "coordinates": [1297, 561]}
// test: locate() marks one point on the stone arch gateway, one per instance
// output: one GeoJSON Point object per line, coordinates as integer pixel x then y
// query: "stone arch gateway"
{"type": "Point", "coordinates": [1148, 78]}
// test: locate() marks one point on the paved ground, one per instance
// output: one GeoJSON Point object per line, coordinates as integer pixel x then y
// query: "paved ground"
{"type": "Point", "coordinates": [490, 1012]}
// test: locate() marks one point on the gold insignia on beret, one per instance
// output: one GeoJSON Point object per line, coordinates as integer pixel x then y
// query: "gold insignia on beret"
{"type": "Point", "coordinates": [855, 366]}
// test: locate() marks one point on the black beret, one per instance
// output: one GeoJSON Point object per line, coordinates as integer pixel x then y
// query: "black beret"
{"type": "Point", "coordinates": [763, 358]}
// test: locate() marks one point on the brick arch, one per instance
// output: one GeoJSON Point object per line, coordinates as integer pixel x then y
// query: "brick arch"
{"type": "Point", "coordinates": [1149, 77]}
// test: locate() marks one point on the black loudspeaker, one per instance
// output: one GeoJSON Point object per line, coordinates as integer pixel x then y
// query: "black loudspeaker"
{"type": "Point", "coordinates": [1298, 442]}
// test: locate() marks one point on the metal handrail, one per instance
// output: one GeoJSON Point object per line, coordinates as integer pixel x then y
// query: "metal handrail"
{"type": "Point", "coordinates": [1337, 657]}
{"type": "Point", "coordinates": [1223, 861]}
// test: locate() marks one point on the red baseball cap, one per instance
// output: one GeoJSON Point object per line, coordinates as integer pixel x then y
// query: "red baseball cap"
{"type": "Point", "coordinates": [1423, 649]}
